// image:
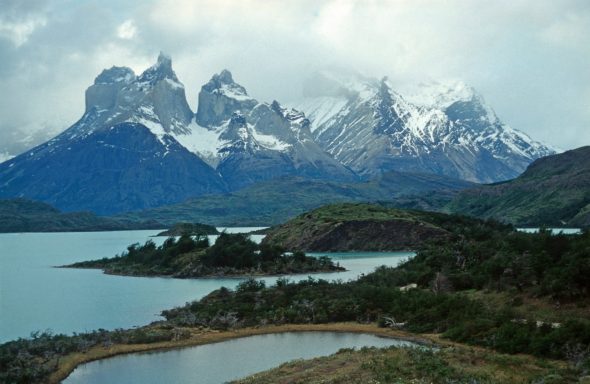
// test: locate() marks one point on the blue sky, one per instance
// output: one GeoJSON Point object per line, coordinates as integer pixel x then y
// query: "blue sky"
{"type": "Point", "coordinates": [529, 59]}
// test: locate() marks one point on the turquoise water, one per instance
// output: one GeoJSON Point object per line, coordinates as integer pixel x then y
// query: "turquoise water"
{"type": "Point", "coordinates": [221, 362]}
{"type": "Point", "coordinates": [35, 296]}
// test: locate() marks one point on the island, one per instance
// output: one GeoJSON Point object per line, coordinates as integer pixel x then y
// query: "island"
{"type": "Point", "coordinates": [192, 257]}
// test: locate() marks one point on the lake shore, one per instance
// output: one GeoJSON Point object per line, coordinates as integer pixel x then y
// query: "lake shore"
{"type": "Point", "coordinates": [68, 364]}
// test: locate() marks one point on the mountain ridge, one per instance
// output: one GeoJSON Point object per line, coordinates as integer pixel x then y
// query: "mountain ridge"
{"type": "Point", "coordinates": [553, 191]}
{"type": "Point", "coordinates": [451, 132]}
{"type": "Point", "coordinates": [233, 141]}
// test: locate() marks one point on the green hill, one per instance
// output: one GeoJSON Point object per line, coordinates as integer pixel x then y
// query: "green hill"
{"type": "Point", "coordinates": [21, 215]}
{"type": "Point", "coordinates": [357, 227]}
{"type": "Point", "coordinates": [553, 191]}
{"type": "Point", "coordinates": [276, 201]}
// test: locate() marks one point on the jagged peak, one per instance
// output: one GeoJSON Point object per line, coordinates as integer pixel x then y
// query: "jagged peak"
{"type": "Point", "coordinates": [223, 83]}
{"type": "Point", "coordinates": [159, 71]}
{"type": "Point", "coordinates": [115, 75]}
{"type": "Point", "coordinates": [225, 77]}
{"type": "Point", "coordinates": [276, 106]}
{"type": "Point", "coordinates": [164, 60]}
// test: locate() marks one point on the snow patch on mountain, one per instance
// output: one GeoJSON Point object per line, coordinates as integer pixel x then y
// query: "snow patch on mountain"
{"type": "Point", "coordinates": [203, 142]}
{"type": "Point", "coordinates": [321, 109]}
{"type": "Point", "coordinates": [5, 156]}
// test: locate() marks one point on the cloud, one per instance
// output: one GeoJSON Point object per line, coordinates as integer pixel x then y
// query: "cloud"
{"type": "Point", "coordinates": [127, 30]}
{"type": "Point", "coordinates": [528, 58]}
{"type": "Point", "coordinates": [19, 32]}
{"type": "Point", "coordinates": [19, 20]}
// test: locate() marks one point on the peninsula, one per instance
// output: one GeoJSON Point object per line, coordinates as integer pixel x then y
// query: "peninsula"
{"type": "Point", "coordinates": [192, 257]}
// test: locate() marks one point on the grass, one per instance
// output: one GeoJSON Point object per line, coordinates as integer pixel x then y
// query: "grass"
{"type": "Point", "coordinates": [528, 306]}
{"type": "Point", "coordinates": [451, 364]}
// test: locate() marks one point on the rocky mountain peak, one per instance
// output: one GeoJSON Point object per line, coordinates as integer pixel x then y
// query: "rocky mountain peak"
{"type": "Point", "coordinates": [155, 99]}
{"type": "Point", "coordinates": [164, 60]}
{"type": "Point", "coordinates": [115, 75]}
{"type": "Point", "coordinates": [387, 119]}
{"type": "Point", "coordinates": [162, 70]}
{"type": "Point", "coordinates": [220, 97]}
{"type": "Point", "coordinates": [224, 77]}
{"type": "Point", "coordinates": [102, 95]}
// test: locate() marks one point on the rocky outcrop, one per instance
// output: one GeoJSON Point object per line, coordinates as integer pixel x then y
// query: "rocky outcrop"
{"type": "Point", "coordinates": [220, 98]}
{"type": "Point", "coordinates": [364, 235]}
{"type": "Point", "coordinates": [354, 227]}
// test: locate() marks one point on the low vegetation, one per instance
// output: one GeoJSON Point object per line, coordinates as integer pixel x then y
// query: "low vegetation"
{"type": "Point", "coordinates": [34, 359]}
{"type": "Point", "coordinates": [487, 257]}
{"type": "Point", "coordinates": [410, 365]}
{"type": "Point", "coordinates": [483, 285]}
{"type": "Point", "coordinates": [191, 256]}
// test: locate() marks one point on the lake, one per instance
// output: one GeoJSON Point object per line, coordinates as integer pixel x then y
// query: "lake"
{"type": "Point", "coordinates": [35, 296]}
{"type": "Point", "coordinates": [223, 361]}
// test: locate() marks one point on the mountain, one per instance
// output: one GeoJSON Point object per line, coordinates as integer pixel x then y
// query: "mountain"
{"type": "Point", "coordinates": [139, 145]}
{"type": "Point", "coordinates": [275, 201]}
{"type": "Point", "coordinates": [21, 215]}
{"type": "Point", "coordinates": [14, 141]}
{"type": "Point", "coordinates": [122, 154]}
{"type": "Point", "coordinates": [248, 141]}
{"type": "Point", "coordinates": [120, 169]}
{"type": "Point", "coordinates": [445, 129]}
{"type": "Point", "coordinates": [553, 191]}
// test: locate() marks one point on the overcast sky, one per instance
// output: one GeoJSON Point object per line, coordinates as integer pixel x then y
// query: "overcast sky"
{"type": "Point", "coordinates": [530, 59]}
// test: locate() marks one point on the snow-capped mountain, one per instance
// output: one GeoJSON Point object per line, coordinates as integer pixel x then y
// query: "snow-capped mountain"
{"type": "Point", "coordinates": [122, 154]}
{"type": "Point", "coordinates": [445, 129]}
{"type": "Point", "coordinates": [249, 141]}
{"type": "Point", "coordinates": [139, 145]}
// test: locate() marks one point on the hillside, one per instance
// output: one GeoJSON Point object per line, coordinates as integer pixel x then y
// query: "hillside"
{"type": "Point", "coordinates": [553, 191]}
{"type": "Point", "coordinates": [355, 227]}
{"type": "Point", "coordinates": [274, 202]}
{"type": "Point", "coordinates": [21, 215]}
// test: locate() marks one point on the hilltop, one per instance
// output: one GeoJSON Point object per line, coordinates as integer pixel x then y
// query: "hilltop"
{"type": "Point", "coordinates": [553, 191]}
{"type": "Point", "coordinates": [356, 227]}
{"type": "Point", "coordinates": [22, 215]}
